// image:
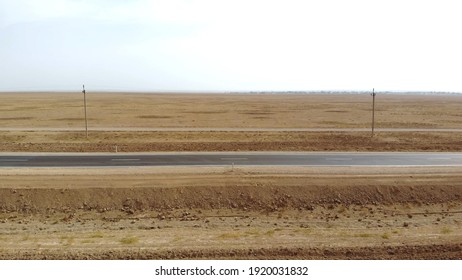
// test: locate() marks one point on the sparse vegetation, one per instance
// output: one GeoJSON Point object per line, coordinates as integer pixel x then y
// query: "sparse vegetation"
{"type": "Point", "coordinates": [253, 232]}
{"type": "Point", "coordinates": [280, 111]}
{"type": "Point", "coordinates": [385, 236]}
{"type": "Point", "coordinates": [446, 230]}
{"type": "Point", "coordinates": [230, 235]}
{"type": "Point", "coordinates": [67, 240]}
{"type": "Point", "coordinates": [129, 240]}
{"type": "Point", "coordinates": [97, 234]}
{"type": "Point", "coordinates": [305, 231]}
{"type": "Point", "coordinates": [364, 235]}
{"type": "Point", "coordinates": [177, 238]}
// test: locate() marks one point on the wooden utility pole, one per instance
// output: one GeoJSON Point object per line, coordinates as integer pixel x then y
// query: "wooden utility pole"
{"type": "Point", "coordinates": [373, 111]}
{"type": "Point", "coordinates": [85, 106]}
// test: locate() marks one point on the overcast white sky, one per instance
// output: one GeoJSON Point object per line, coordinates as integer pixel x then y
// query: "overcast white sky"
{"type": "Point", "coordinates": [231, 45]}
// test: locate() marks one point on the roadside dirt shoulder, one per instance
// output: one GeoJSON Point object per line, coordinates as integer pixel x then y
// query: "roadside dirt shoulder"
{"type": "Point", "coordinates": [232, 215]}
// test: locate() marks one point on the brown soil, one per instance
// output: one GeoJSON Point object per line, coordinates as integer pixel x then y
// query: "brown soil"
{"type": "Point", "coordinates": [400, 252]}
{"type": "Point", "coordinates": [113, 110]}
{"type": "Point", "coordinates": [228, 110]}
{"type": "Point", "coordinates": [228, 141]}
{"type": "Point", "coordinates": [241, 214]}
{"type": "Point", "coordinates": [246, 192]}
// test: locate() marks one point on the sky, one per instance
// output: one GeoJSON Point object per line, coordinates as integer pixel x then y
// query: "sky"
{"type": "Point", "coordinates": [236, 45]}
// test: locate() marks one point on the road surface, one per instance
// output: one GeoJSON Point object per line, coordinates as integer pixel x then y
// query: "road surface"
{"type": "Point", "coordinates": [220, 159]}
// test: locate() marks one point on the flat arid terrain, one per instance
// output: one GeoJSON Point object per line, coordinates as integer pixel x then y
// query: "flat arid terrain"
{"type": "Point", "coordinates": [229, 212]}
{"type": "Point", "coordinates": [35, 122]}
{"type": "Point", "coordinates": [134, 110]}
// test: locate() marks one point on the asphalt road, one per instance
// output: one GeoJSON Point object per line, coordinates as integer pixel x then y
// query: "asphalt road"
{"type": "Point", "coordinates": [220, 159]}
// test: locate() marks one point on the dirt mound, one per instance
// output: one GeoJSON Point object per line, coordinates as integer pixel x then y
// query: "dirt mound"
{"type": "Point", "coordinates": [229, 141]}
{"type": "Point", "coordinates": [229, 197]}
{"type": "Point", "coordinates": [413, 252]}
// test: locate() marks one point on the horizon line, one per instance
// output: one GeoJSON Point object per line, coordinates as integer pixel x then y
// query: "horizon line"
{"type": "Point", "coordinates": [326, 91]}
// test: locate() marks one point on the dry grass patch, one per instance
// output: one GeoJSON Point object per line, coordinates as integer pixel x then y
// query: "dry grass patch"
{"type": "Point", "coordinates": [97, 235]}
{"type": "Point", "coordinates": [446, 230]}
{"type": "Point", "coordinates": [129, 240]}
{"type": "Point", "coordinates": [229, 235]}
{"type": "Point", "coordinates": [364, 235]}
{"type": "Point", "coordinates": [385, 236]}
{"type": "Point", "coordinates": [67, 240]}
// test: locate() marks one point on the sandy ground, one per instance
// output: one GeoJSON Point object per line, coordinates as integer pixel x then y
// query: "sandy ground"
{"type": "Point", "coordinates": [257, 213]}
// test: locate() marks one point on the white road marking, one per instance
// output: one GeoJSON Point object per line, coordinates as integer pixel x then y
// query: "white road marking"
{"type": "Point", "coordinates": [234, 158]}
{"type": "Point", "coordinates": [125, 159]}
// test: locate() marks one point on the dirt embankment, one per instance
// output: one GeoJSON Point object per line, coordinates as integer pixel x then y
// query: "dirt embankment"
{"type": "Point", "coordinates": [255, 198]}
{"type": "Point", "coordinates": [414, 252]}
{"type": "Point", "coordinates": [229, 141]}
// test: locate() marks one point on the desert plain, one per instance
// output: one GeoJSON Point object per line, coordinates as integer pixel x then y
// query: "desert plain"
{"type": "Point", "coordinates": [229, 212]}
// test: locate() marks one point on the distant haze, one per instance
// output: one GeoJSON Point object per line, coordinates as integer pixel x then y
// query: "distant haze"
{"type": "Point", "coordinates": [212, 45]}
